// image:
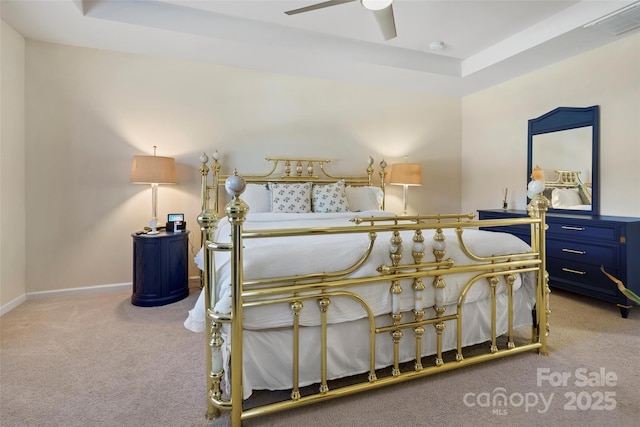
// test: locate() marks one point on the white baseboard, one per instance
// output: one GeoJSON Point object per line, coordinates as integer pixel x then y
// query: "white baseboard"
{"type": "Point", "coordinates": [12, 304]}
{"type": "Point", "coordinates": [64, 292]}
{"type": "Point", "coordinates": [89, 290]}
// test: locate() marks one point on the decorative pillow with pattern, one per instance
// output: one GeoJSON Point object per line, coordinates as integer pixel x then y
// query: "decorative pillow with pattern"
{"type": "Point", "coordinates": [330, 198]}
{"type": "Point", "coordinates": [290, 198]}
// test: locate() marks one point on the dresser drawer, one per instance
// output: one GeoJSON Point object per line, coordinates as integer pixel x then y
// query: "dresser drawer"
{"type": "Point", "coordinates": [584, 276]}
{"type": "Point", "coordinates": [580, 230]}
{"type": "Point", "coordinates": [586, 253]}
{"type": "Point", "coordinates": [576, 247]}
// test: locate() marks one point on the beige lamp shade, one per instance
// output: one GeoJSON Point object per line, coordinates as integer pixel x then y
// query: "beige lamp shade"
{"type": "Point", "coordinates": [405, 174]}
{"type": "Point", "coordinates": [153, 170]}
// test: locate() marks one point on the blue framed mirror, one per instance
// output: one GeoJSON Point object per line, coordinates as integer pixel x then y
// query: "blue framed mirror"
{"type": "Point", "coordinates": [564, 143]}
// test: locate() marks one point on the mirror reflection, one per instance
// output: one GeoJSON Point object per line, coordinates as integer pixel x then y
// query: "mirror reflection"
{"type": "Point", "coordinates": [566, 159]}
{"type": "Point", "coordinates": [564, 144]}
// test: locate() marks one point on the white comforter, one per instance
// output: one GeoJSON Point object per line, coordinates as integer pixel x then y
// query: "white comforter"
{"type": "Point", "coordinates": [275, 257]}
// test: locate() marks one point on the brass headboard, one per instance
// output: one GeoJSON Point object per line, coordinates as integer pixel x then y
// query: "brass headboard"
{"type": "Point", "coordinates": [283, 169]}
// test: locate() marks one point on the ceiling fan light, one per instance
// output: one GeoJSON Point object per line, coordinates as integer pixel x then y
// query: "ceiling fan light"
{"type": "Point", "coordinates": [376, 4]}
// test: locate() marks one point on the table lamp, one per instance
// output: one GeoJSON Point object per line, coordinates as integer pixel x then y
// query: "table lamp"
{"type": "Point", "coordinates": [405, 174]}
{"type": "Point", "coordinates": [153, 170]}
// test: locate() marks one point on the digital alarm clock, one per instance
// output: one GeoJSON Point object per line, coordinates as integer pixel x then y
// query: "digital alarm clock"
{"type": "Point", "coordinates": [175, 222]}
{"type": "Point", "coordinates": [175, 217]}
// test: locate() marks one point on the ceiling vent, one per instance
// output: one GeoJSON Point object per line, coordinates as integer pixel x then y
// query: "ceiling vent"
{"type": "Point", "coordinates": [621, 21]}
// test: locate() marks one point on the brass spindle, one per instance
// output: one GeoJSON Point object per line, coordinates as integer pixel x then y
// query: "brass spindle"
{"type": "Point", "coordinates": [417, 251]}
{"type": "Point", "coordinates": [296, 307]}
{"type": "Point", "coordinates": [396, 335]}
{"type": "Point", "coordinates": [324, 306]}
{"type": "Point", "coordinates": [439, 330]}
{"type": "Point", "coordinates": [395, 253]}
{"type": "Point", "coordinates": [511, 278]}
{"type": "Point", "coordinates": [419, 331]}
{"type": "Point", "coordinates": [459, 356]}
{"type": "Point", "coordinates": [493, 282]}
{"type": "Point", "coordinates": [216, 360]}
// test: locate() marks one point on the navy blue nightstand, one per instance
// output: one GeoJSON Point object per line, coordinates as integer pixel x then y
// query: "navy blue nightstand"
{"type": "Point", "coordinates": [160, 268]}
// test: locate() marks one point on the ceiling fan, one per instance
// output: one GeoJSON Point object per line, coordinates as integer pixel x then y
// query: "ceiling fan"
{"type": "Point", "coordinates": [382, 10]}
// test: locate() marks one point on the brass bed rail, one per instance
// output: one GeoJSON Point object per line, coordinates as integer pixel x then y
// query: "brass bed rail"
{"type": "Point", "coordinates": [323, 287]}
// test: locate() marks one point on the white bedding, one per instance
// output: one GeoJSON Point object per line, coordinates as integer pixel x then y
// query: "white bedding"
{"type": "Point", "coordinates": [266, 347]}
{"type": "Point", "coordinates": [336, 252]}
{"type": "Point", "coordinates": [267, 357]}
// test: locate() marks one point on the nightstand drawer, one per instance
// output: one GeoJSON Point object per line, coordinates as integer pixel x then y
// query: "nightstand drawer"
{"type": "Point", "coordinates": [580, 230]}
{"type": "Point", "coordinates": [587, 253]}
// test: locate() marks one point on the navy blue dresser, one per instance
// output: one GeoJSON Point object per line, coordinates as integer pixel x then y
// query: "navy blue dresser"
{"type": "Point", "coordinates": [577, 245]}
{"type": "Point", "coordinates": [160, 268]}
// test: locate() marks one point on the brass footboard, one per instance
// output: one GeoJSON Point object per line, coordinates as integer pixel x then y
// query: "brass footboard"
{"type": "Point", "coordinates": [323, 288]}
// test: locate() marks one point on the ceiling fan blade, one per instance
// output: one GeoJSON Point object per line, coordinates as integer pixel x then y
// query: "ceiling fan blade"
{"type": "Point", "coordinates": [386, 22]}
{"type": "Point", "coordinates": [318, 6]}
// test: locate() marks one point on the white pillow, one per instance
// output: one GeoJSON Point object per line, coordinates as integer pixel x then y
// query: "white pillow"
{"type": "Point", "coordinates": [290, 198]}
{"type": "Point", "coordinates": [258, 197]}
{"type": "Point", "coordinates": [365, 198]}
{"type": "Point", "coordinates": [330, 198]}
{"type": "Point", "coordinates": [565, 197]}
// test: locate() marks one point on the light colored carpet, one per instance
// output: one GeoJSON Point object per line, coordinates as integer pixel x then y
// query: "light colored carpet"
{"type": "Point", "coordinates": [100, 361]}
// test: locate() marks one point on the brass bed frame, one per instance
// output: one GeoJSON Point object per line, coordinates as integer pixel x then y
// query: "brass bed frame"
{"type": "Point", "coordinates": [322, 287]}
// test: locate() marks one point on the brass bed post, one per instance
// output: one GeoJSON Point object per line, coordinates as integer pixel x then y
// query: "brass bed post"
{"type": "Point", "coordinates": [537, 208]}
{"type": "Point", "coordinates": [208, 221]}
{"type": "Point", "coordinates": [215, 165]}
{"type": "Point", "coordinates": [383, 174]}
{"type": "Point", "coordinates": [236, 211]}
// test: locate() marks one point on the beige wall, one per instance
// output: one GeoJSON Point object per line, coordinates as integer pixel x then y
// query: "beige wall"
{"type": "Point", "coordinates": [12, 169]}
{"type": "Point", "coordinates": [494, 127]}
{"type": "Point", "coordinates": [89, 111]}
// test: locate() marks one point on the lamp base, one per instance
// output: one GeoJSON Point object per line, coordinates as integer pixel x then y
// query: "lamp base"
{"type": "Point", "coordinates": [154, 226]}
{"type": "Point", "coordinates": [404, 198]}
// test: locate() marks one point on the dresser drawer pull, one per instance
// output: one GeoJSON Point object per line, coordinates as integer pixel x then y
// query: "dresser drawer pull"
{"type": "Point", "coordinates": [568, 270]}
{"type": "Point", "coordinates": [573, 251]}
{"type": "Point", "coordinates": [568, 227]}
